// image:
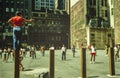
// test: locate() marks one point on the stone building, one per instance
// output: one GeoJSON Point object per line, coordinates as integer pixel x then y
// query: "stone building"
{"type": "Point", "coordinates": [52, 23]}
{"type": "Point", "coordinates": [50, 29]}
{"type": "Point", "coordinates": [117, 21]}
{"type": "Point", "coordinates": [90, 23]}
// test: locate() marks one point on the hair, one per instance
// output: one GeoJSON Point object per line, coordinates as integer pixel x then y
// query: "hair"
{"type": "Point", "coordinates": [18, 13]}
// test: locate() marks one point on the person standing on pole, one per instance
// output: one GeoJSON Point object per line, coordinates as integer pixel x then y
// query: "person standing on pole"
{"type": "Point", "coordinates": [17, 23]}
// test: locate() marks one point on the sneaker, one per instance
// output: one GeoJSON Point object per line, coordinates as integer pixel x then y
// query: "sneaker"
{"type": "Point", "coordinates": [90, 62]}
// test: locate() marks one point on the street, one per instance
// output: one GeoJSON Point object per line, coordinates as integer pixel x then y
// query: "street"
{"type": "Point", "coordinates": [63, 69]}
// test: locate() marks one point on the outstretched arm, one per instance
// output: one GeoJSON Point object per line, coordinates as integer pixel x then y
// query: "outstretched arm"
{"type": "Point", "coordinates": [26, 20]}
{"type": "Point", "coordinates": [10, 22]}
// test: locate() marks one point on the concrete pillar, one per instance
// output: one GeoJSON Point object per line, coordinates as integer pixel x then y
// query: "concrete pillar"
{"type": "Point", "coordinates": [83, 62]}
{"type": "Point", "coordinates": [51, 67]}
{"type": "Point", "coordinates": [16, 69]}
{"type": "Point", "coordinates": [111, 62]}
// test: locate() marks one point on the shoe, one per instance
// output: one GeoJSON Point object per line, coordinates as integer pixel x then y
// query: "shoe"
{"type": "Point", "coordinates": [22, 68]}
{"type": "Point", "coordinates": [90, 62]}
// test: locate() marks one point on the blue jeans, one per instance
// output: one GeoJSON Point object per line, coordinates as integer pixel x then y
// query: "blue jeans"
{"type": "Point", "coordinates": [17, 34]}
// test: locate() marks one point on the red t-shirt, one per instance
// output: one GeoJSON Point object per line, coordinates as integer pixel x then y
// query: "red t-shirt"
{"type": "Point", "coordinates": [18, 20]}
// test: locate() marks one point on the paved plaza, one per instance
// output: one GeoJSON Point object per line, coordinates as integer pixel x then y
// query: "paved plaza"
{"type": "Point", "coordinates": [63, 69]}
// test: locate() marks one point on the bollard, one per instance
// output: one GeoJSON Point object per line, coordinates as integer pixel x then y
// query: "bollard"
{"type": "Point", "coordinates": [51, 69]}
{"type": "Point", "coordinates": [16, 69]}
{"type": "Point", "coordinates": [111, 62]}
{"type": "Point", "coordinates": [83, 62]}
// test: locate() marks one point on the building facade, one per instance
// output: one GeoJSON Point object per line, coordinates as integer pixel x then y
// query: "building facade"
{"type": "Point", "coordinates": [116, 21]}
{"type": "Point", "coordinates": [90, 23]}
{"type": "Point", "coordinates": [51, 26]}
{"type": "Point", "coordinates": [49, 29]}
{"type": "Point", "coordinates": [43, 5]}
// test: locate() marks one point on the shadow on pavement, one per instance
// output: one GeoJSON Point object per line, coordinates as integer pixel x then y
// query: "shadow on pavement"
{"type": "Point", "coordinates": [28, 69]}
{"type": "Point", "coordinates": [99, 62]}
{"type": "Point", "coordinates": [92, 76]}
{"type": "Point", "coordinates": [117, 74]}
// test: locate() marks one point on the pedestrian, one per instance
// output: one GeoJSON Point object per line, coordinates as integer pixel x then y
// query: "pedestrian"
{"type": "Point", "coordinates": [73, 50]}
{"type": "Point", "coordinates": [116, 51]}
{"type": "Point", "coordinates": [33, 53]}
{"type": "Point", "coordinates": [42, 49]}
{"type": "Point", "coordinates": [93, 54]}
{"type": "Point", "coordinates": [17, 23]}
{"type": "Point", "coordinates": [106, 49]}
{"type": "Point", "coordinates": [1, 53]}
{"type": "Point", "coordinates": [9, 53]}
{"type": "Point", "coordinates": [24, 52]}
{"type": "Point", "coordinates": [5, 55]}
{"type": "Point", "coordinates": [63, 50]}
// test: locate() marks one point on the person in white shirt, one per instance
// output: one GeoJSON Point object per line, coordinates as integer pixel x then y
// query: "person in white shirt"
{"type": "Point", "coordinates": [116, 51]}
{"type": "Point", "coordinates": [93, 54]}
{"type": "Point", "coordinates": [63, 50]}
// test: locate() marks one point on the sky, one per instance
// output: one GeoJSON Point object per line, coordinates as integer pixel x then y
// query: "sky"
{"type": "Point", "coordinates": [73, 2]}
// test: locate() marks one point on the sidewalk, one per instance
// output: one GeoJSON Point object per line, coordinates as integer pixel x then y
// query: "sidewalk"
{"type": "Point", "coordinates": [63, 69]}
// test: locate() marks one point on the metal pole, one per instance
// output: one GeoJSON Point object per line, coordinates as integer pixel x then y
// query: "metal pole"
{"type": "Point", "coordinates": [51, 70]}
{"type": "Point", "coordinates": [16, 71]}
{"type": "Point", "coordinates": [83, 62]}
{"type": "Point", "coordinates": [111, 61]}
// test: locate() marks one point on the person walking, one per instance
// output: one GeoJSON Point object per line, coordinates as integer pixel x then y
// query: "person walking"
{"type": "Point", "coordinates": [9, 53]}
{"type": "Point", "coordinates": [17, 23]}
{"type": "Point", "coordinates": [73, 50]}
{"type": "Point", "coordinates": [93, 54]}
{"type": "Point", "coordinates": [63, 49]}
{"type": "Point", "coordinates": [116, 51]}
{"type": "Point", "coordinates": [42, 49]}
{"type": "Point", "coordinates": [5, 55]}
{"type": "Point", "coordinates": [106, 49]}
{"type": "Point", "coordinates": [33, 52]}
{"type": "Point", "coordinates": [1, 53]}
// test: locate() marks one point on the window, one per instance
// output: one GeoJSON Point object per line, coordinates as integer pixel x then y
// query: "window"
{"type": "Point", "coordinates": [12, 9]}
{"type": "Point", "coordinates": [7, 9]}
{"type": "Point", "coordinates": [112, 11]}
{"type": "Point", "coordinates": [106, 13]}
{"type": "Point", "coordinates": [104, 3]}
{"type": "Point", "coordinates": [92, 2]}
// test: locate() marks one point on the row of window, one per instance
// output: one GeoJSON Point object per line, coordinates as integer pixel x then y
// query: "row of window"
{"type": "Point", "coordinates": [93, 2]}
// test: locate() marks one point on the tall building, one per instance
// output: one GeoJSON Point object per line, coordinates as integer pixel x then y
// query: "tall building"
{"type": "Point", "coordinates": [43, 5]}
{"type": "Point", "coordinates": [50, 29]}
{"type": "Point", "coordinates": [46, 5]}
{"type": "Point", "coordinates": [61, 4]}
{"type": "Point", "coordinates": [90, 23]}
{"type": "Point", "coordinates": [52, 24]}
